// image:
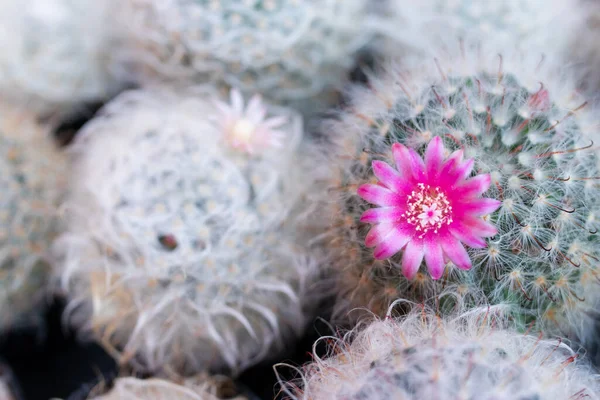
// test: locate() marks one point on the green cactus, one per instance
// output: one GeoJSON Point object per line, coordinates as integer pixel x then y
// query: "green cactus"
{"type": "Point", "coordinates": [536, 148]}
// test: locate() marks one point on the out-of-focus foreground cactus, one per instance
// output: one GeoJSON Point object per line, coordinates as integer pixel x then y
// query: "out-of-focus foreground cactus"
{"type": "Point", "coordinates": [422, 145]}
{"type": "Point", "coordinates": [54, 53]}
{"type": "Point", "coordinates": [7, 383]}
{"type": "Point", "coordinates": [32, 177]}
{"type": "Point", "coordinates": [287, 50]}
{"type": "Point", "coordinates": [182, 248]}
{"type": "Point", "coordinates": [199, 388]}
{"type": "Point", "coordinates": [426, 357]}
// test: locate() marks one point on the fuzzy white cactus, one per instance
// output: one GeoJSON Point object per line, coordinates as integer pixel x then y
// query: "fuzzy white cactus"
{"type": "Point", "coordinates": [425, 357]}
{"type": "Point", "coordinates": [181, 245]}
{"type": "Point", "coordinates": [530, 25]}
{"type": "Point", "coordinates": [32, 177]}
{"type": "Point", "coordinates": [287, 50]}
{"type": "Point", "coordinates": [197, 388]}
{"type": "Point", "coordinates": [54, 52]}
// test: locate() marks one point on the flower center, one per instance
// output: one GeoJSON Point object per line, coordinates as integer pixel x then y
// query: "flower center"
{"type": "Point", "coordinates": [428, 209]}
{"type": "Point", "coordinates": [242, 131]}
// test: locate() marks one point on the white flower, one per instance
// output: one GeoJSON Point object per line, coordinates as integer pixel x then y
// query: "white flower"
{"type": "Point", "coordinates": [248, 129]}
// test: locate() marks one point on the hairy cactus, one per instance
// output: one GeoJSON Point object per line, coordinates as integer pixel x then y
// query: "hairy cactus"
{"type": "Point", "coordinates": [286, 49]}
{"type": "Point", "coordinates": [199, 388]}
{"type": "Point", "coordinates": [181, 246]}
{"type": "Point", "coordinates": [32, 181]}
{"type": "Point", "coordinates": [517, 136]}
{"type": "Point", "coordinates": [425, 357]}
{"type": "Point", "coordinates": [53, 52]}
{"type": "Point", "coordinates": [543, 25]}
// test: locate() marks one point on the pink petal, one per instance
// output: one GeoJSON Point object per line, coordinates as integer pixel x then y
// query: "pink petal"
{"type": "Point", "coordinates": [480, 207]}
{"type": "Point", "coordinates": [455, 251]}
{"type": "Point", "coordinates": [471, 230]}
{"type": "Point", "coordinates": [255, 112]}
{"type": "Point", "coordinates": [412, 258]}
{"type": "Point", "coordinates": [434, 156]}
{"type": "Point", "coordinates": [275, 122]}
{"type": "Point", "coordinates": [473, 187]}
{"type": "Point", "coordinates": [379, 195]}
{"type": "Point", "coordinates": [448, 167]}
{"type": "Point", "coordinates": [268, 137]}
{"type": "Point", "coordinates": [408, 162]}
{"type": "Point", "coordinates": [382, 214]}
{"type": "Point", "coordinates": [237, 102]}
{"type": "Point", "coordinates": [402, 159]}
{"type": "Point", "coordinates": [462, 233]}
{"type": "Point", "coordinates": [463, 170]}
{"type": "Point", "coordinates": [224, 108]}
{"type": "Point", "coordinates": [479, 227]}
{"type": "Point", "coordinates": [417, 164]}
{"type": "Point", "coordinates": [434, 258]}
{"type": "Point", "coordinates": [378, 233]}
{"type": "Point", "coordinates": [392, 244]}
{"type": "Point", "coordinates": [457, 156]}
{"type": "Point", "coordinates": [390, 177]}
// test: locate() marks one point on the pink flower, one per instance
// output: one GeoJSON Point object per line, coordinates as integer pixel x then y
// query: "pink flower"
{"type": "Point", "coordinates": [428, 208]}
{"type": "Point", "coordinates": [249, 129]}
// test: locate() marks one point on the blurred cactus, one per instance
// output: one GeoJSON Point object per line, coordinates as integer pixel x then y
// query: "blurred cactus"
{"type": "Point", "coordinates": [182, 248]}
{"type": "Point", "coordinates": [33, 182]}
{"type": "Point", "coordinates": [528, 142]}
{"type": "Point", "coordinates": [529, 25]}
{"type": "Point", "coordinates": [198, 388]}
{"type": "Point", "coordinates": [583, 51]}
{"type": "Point", "coordinates": [288, 50]}
{"type": "Point", "coordinates": [425, 357]}
{"type": "Point", "coordinates": [8, 385]}
{"type": "Point", "coordinates": [53, 53]}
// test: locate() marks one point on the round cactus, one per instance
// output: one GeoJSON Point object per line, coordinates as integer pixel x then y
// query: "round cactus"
{"type": "Point", "coordinates": [538, 25]}
{"type": "Point", "coordinates": [483, 170]}
{"type": "Point", "coordinates": [181, 246]}
{"type": "Point", "coordinates": [32, 178]}
{"type": "Point", "coordinates": [158, 389]}
{"type": "Point", "coordinates": [425, 357]}
{"type": "Point", "coordinates": [53, 53]}
{"type": "Point", "coordinates": [286, 49]}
